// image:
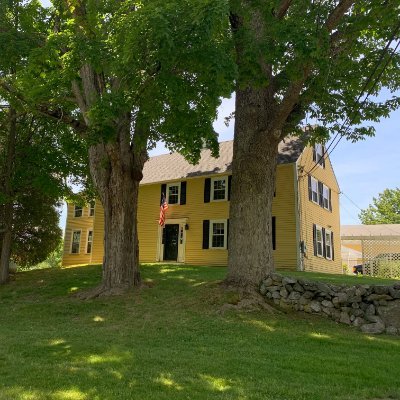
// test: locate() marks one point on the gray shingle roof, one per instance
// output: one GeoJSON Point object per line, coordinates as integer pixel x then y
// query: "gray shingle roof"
{"type": "Point", "coordinates": [170, 167]}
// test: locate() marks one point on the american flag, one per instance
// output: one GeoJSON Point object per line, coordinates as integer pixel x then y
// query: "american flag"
{"type": "Point", "coordinates": [163, 208]}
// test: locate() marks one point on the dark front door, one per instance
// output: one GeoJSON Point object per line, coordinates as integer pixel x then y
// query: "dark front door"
{"type": "Point", "coordinates": [171, 232]}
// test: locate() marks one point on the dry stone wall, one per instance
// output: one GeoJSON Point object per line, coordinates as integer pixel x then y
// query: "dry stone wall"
{"type": "Point", "coordinates": [372, 308]}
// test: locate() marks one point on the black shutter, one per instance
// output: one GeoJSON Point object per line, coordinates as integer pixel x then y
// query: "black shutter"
{"type": "Point", "coordinates": [332, 250]}
{"type": "Point", "coordinates": [330, 200]}
{"type": "Point", "coordinates": [229, 186]}
{"type": "Point", "coordinates": [323, 157]}
{"type": "Point", "coordinates": [206, 234]}
{"type": "Point", "coordinates": [273, 233]}
{"type": "Point", "coordinates": [309, 188]}
{"type": "Point", "coordinates": [227, 233]}
{"type": "Point", "coordinates": [321, 194]}
{"type": "Point", "coordinates": [183, 193]}
{"type": "Point", "coordinates": [163, 192]}
{"type": "Point", "coordinates": [207, 190]}
{"type": "Point", "coordinates": [323, 243]}
{"type": "Point", "coordinates": [164, 235]}
{"type": "Point", "coordinates": [314, 154]}
{"type": "Point", "coordinates": [314, 234]}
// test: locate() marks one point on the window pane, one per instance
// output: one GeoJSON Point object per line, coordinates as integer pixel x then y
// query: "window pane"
{"type": "Point", "coordinates": [218, 241]}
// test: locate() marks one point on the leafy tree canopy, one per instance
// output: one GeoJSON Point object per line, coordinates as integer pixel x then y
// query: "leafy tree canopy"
{"type": "Point", "coordinates": [384, 210]}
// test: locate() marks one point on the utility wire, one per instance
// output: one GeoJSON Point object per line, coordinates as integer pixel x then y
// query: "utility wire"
{"type": "Point", "coordinates": [383, 53]}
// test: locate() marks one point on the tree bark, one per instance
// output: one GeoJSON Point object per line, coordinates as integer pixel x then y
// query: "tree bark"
{"type": "Point", "coordinates": [7, 208]}
{"type": "Point", "coordinates": [253, 184]}
{"type": "Point", "coordinates": [117, 171]}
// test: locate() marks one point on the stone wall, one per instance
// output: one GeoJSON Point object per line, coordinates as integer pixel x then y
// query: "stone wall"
{"type": "Point", "coordinates": [372, 308]}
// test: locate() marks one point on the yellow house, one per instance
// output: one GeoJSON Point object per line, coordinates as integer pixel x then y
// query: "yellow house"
{"type": "Point", "coordinates": [306, 223]}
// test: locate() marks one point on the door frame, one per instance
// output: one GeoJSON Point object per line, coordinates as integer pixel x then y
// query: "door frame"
{"type": "Point", "coordinates": [181, 239]}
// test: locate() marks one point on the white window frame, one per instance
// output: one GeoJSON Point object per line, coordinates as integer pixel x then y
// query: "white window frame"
{"type": "Point", "coordinates": [313, 180]}
{"type": "Point", "coordinates": [87, 241]}
{"type": "Point", "coordinates": [319, 154]}
{"type": "Point", "coordinates": [219, 178]}
{"type": "Point", "coordinates": [324, 187]}
{"type": "Point", "coordinates": [79, 207]}
{"type": "Point", "coordinates": [72, 241]}
{"type": "Point", "coordinates": [210, 241]}
{"type": "Point", "coordinates": [328, 233]}
{"type": "Point", "coordinates": [179, 193]}
{"type": "Point", "coordinates": [90, 214]}
{"type": "Point", "coordinates": [319, 229]}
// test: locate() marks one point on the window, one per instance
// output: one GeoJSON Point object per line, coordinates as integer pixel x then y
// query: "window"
{"type": "Point", "coordinates": [326, 197]}
{"type": "Point", "coordinates": [328, 244]}
{"type": "Point", "coordinates": [314, 190]}
{"type": "Point", "coordinates": [319, 154]}
{"type": "Point", "coordinates": [319, 241]}
{"type": "Point", "coordinates": [218, 234]}
{"type": "Point", "coordinates": [173, 193]}
{"type": "Point", "coordinates": [75, 243]}
{"type": "Point", "coordinates": [89, 242]}
{"type": "Point", "coordinates": [219, 189]}
{"type": "Point", "coordinates": [78, 211]}
{"type": "Point", "coordinates": [91, 208]}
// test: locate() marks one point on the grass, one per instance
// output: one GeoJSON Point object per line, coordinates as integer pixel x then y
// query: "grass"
{"type": "Point", "coordinates": [171, 342]}
{"type": "Point", "coordinates": [335, 279]}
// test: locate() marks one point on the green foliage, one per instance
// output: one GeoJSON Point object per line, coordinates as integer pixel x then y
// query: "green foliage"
{"type": "Point", "coordinates": [53, 260]}
{"type": "Point", "coordinates": [384, 210]}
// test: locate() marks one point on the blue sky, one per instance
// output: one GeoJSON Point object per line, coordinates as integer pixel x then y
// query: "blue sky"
{"type": "Point", "coordinates": [363, 169]}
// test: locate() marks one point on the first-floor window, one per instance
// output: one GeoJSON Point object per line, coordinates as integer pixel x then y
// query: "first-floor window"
{"type": "Point", "coordinates": [328, 244]}
{"type": "Point", "coordinates": [218, 234]}
{"type": "Point", "coordinates": [78, 211]}
{"type": "Point", "coordinates": [319, 241]}
{"type": "Point", "coordinates": [76, 240]}
{"type": "Point", "coordinates": [89, 242]}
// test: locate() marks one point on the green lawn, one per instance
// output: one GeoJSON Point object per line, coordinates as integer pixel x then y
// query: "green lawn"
{"type": "Point", "coordinates": [171, 342]}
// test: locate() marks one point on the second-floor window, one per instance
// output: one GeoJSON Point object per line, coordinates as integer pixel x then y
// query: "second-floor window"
{"type": "Point", "coordinates": [219, 189]}
{"type": "Point", "coordinates": [78, 211]}
{"type": "Point", "coordinates": [91, 208]}
{"type": "Point", "coordinates": [173, 193]}
{"type": "Point", "coordinates": [326, 197]}
{"type": "Point", "coordinates": [314, 190]}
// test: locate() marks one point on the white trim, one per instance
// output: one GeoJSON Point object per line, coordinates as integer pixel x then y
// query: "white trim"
{"type": "Point", "coordinates": [179, 193]}
{"type": "Point", "coordinates": [87, 241]}
{"type": "Point", "coordinates": [181, 239]}
{"type": "Point", "coordinates": [319, 228]}
{"type": "Point", "coordinates": [219, 178]}
{"type": "Point", "coordinates": [328, 233]}
{"type": "Point", "coordinates": [312, 191]}
{"type": "Point", "coordinates": [72, 238]}
{"type": "Point", "coordinates": [218, 221]}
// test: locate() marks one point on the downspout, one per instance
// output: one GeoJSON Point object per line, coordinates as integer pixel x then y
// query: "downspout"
{"type": "Point", "coordinates": [297, 200]}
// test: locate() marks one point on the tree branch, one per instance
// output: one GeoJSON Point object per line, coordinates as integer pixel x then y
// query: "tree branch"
{"type": "Point", "coordinates": [282, 8]}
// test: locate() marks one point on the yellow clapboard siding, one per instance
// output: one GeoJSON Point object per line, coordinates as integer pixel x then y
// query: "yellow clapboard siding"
{"type": "Point", "coordinates": [311, 213]}
{"type": "Point", "coordinates": [84, 224]}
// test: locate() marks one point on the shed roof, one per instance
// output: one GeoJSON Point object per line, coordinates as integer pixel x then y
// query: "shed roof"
{"type": "Point", "coordinates": [370, 230]}
{"type": "Point", "coordinates": [170, 167]}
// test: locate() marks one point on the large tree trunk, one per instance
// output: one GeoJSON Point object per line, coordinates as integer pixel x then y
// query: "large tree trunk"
{"type": "Point", "coordinates": [253, 185]}
{"type": "Point", "coordinates": [116, 171]}
{"type": "Point", "coordinates": [6, 211]}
